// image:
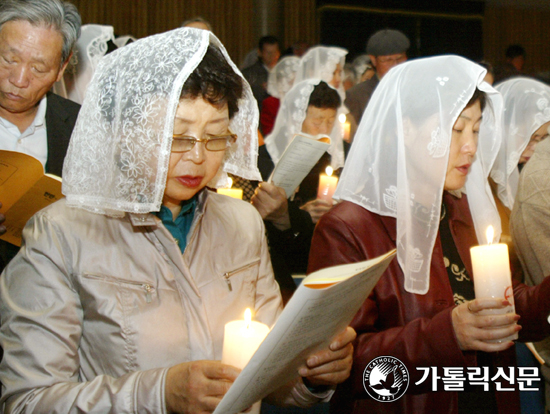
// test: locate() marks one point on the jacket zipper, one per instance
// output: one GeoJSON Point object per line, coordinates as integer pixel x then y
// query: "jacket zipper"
{"type": "Point", "coordinates": [227, 275]}
{"type": "Point", "coordinates": [147, 287]}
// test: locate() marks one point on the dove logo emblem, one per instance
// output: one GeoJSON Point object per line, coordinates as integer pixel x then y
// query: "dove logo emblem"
{"type": "Point", "coordinates": [386, 379]}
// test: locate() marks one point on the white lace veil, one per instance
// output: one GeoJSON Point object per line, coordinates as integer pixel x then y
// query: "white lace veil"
{"type": "Point", "coordinates": [320, 62]}
{"type": "Point", "coordinates": [526, 109]}
{"type": "Point", "coordinates": [398, 160]}
{"type": "Point", "coordinates": [91, 46]}
{"type": "Point", "coordinates": [281, 77]}
{"type": "Point", "coordinates": [290, 118]}
{"type": "Point", "coordinates": [119, 152]}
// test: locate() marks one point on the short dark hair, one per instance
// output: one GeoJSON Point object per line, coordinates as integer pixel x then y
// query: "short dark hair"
{"type": "Point", "coordinates": [488, 66]}
{"type": "Point", "coordinates": [514, 51]}
{"type": "Point", "coordinates": [215, 81]}
{"type": "Point", "coordinates": [478, 96]}
{"type": "Point", "coordinates": [270, 40]}
{"type": "Point", "coordinates": [323, 96]}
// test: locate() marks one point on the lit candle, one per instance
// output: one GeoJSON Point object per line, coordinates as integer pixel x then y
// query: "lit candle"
{"type": "Point", "coordinates": [492, 276]}
{"type": "Point", "coordinates": [231, 192]}
{"type": "Point", "coordinates": [327, 185]}
{"type": "Point", "coordinates": [242, 338]}
{"type": "Point", "coordinates": [346, 127]}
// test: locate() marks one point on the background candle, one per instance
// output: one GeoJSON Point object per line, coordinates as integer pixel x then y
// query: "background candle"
{"type": "Point", "coordinates": [346, 127]}
{"type": "Point", "coordinates": [492, 276]}
{"type": "Point", "coordinates": [241, 340]}
{"type": "Point", "coordinates": [231, 192]}
{"type": "Point", "coordinates": [327, 185]}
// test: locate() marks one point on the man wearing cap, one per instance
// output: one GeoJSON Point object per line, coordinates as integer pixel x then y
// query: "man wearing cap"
{"type": "Point", "coordinates": [386, 49]}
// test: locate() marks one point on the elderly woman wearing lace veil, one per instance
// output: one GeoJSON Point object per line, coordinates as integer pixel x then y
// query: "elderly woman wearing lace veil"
{"type": "Point", "coordinates": [416, 180]}
{"type": "Point", "coordinates": [117, 300]}
{"type": "Point", "coordinates": [327, 63]}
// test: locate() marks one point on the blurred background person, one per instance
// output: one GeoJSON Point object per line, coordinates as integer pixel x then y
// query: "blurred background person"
{"type": "Point", "coordinates": [513, 65]}
{"type": "Point", "coordinates": [386, 49]}
{"type": "Point", "coordinates": [268, 55]}
{"type": "Point", "coordinates": [327, 63]}
{"type": "Point", "coordinates": [280, 80]}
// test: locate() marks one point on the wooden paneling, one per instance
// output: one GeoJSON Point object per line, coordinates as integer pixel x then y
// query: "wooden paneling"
{"type": "Point", "coordinates": [301, 22]}
{"type": "Point", "coordinates": [511, 25]}
{"type": "Point", "coordinates": [231, 20]}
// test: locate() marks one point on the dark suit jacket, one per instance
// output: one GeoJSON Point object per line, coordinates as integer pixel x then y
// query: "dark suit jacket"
{"type": "Point", "coordinates": [358, 96]}
{"type": "Point", "coordinates": [257, 75]}
{"type": "Point", "coordinates": [61, 117]}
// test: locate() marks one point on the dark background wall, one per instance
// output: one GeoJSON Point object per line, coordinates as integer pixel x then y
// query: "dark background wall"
{"type": "Point", "coordinates": [432, 31]}
{"type": "Point", "coordinates": [471, 28]}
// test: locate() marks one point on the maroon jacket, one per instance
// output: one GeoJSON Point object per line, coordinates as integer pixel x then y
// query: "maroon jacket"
{"type": "Point", "coordinates": [416, 329]}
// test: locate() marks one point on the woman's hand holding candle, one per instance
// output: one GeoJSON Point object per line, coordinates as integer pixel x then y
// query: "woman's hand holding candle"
{"type": "Point", "coordinates": [488, 323]}
{"type": "Point", "coordinates": [197, 386]}
{"type": "Point", "coordinates": [475, 331]}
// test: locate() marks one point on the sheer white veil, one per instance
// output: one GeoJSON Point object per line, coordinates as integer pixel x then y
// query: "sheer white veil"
{"type": "Point", "coordinates": [290, 118]}
{"type": "Point", "coordinates": [526, 109]}
{"type": "Point", "coordinates": [398, 160]}
{"type": "Point", "coordinates": [281, 77]}
{"type": "Point", "coordinates": [320, 62]}
{"type": "Point", "coordinates": [91, 47]}
{"type": "Point", "coordinates": [119, 152]}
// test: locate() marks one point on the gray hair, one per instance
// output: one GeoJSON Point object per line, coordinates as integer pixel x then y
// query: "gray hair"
{"type": "Point", "coordinates": [61, 16]}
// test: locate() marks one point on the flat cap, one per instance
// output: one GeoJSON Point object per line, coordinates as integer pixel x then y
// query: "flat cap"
{"type": "Point", "coordinates": [387, 42]}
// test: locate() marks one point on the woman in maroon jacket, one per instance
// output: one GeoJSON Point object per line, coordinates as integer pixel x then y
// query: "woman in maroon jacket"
{"type": "Point", "coordinates": [415, 180]}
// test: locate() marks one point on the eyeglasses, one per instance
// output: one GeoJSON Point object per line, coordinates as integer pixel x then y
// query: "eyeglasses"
{"type": "Point", "coordinates": [183, 143]}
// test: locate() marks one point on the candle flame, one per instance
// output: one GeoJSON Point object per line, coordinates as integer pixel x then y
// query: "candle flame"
{"type": "Point", "coordinates": [229, 182]}
{"type": "Point", "coordinates": [329, 170]}
{"type": "Point", "coordinates": [247, 317]}
{"type": "Point", "coordinates": [342, 118]}
{"type": "Point", "coordinates": [490, 234]}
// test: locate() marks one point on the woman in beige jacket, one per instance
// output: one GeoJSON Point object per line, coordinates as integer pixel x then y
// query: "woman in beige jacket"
{"type": "Point", "coordinates": [118, 298]}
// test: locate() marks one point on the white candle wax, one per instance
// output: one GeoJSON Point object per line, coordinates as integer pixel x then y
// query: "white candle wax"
{"type": "Point", "coordinates": [492, 276]}
{"type": "Point", "coordinates": [327, 186]}
{"type": "Point", "coordinates": [346, 128]}
{"type": "Point", "coordinates": [241, 340]}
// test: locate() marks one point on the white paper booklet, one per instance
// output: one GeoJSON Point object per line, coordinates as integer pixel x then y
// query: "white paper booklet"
{"type": "Point", "coordinates": [297, 160]}
{"type": "Point", "coordinates": [322, 306]}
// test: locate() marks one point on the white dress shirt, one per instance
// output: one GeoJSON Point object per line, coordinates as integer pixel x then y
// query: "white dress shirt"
{"type": "Point", "coordinates": [33, 141]}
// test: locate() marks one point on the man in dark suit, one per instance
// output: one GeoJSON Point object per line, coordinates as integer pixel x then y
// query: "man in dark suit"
{"type": "Point", "coordinates": [257, 74]}
{"type": "Point", "coordinates": [36, 42]}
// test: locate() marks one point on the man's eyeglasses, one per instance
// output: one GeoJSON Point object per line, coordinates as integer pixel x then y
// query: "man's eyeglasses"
{"type": "Point", "coordinates": [183, 143]}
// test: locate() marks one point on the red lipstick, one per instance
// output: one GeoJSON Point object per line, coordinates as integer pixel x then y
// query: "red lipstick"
{"type": "Point", "coordinates": [190, 181]}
